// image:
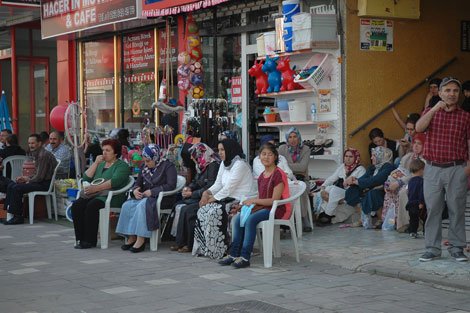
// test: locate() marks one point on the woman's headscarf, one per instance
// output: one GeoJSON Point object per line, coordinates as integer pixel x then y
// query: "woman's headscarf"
{"type": "Point", "coordinates": [382, 155]}
{"type": "Point", "coordinates": [357, 160]}
{"type": "Point", "coordinates": [294, 151]}
{"type": "Point", "coordinates": [232, 150]}
{"type": "Point", "coordinates": [154, 153]}
{"type": "Point", "coordinates": [203, 156]}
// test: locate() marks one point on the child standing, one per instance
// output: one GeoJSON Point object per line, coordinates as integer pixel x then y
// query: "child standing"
{"type": "Point", "coordinates": [416, 207]}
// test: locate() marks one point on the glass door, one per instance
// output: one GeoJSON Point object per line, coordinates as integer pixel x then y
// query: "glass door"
{"type": "Point", "coordinates": [33, 97]}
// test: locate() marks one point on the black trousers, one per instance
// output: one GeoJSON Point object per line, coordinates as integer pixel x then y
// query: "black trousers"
{"type": "Point", "coordinates": [15, 193]}
{"type": "Point", "coordinates": [186, 224]}
{"type": "Point", "coordinates": [86, 217]}
{"type": "Point", "coordinates": [415, 214]}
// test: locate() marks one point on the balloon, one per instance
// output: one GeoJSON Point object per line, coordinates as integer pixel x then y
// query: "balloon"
{"type": "Point", "coordinates": [193, 41]}
{"type": "Point", "coordinates": [57, 117]}
{"type": "Point", "coordinates": [196, 79]}
{"type": "Point", "coordinates": [192, 27]}
{"type": "Point", "coordinates": [183, 58]}
{"type": "Point", "coordinates": [196, 67]}
{"type": "Point", "coordinates": [198, 92]}
{"type": "Point", "coordinates": [196, 54]}
{"type": "Point", "coordinates": [183, 84]}
{"type": "Point", "coordinates": [183, 70]}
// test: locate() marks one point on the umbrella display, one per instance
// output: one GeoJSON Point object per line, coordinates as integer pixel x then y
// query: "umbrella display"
{"type": "Point", "coordinates": [5, 119]}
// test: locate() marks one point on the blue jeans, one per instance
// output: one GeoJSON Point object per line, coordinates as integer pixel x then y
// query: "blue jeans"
{"type": "Point", "coordinates": [244, 237]}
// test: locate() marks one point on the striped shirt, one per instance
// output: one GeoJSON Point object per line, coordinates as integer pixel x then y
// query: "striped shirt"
{"type": "Point", "coordinates": [447, 136]}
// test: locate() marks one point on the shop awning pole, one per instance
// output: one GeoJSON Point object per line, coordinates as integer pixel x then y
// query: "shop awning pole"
{"type": "Point", "coordinates": [403, 96]}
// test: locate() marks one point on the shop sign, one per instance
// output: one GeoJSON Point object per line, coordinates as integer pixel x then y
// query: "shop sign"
{"type": "Point", "coordinates": [236, 90]}
{"type": "Point", "coordinates": [162, 45]}
{"type": "Point", "coordinates": [376, 35]}
{"type": "Point", "coordinates": [21, 3]}
{"type": "Point", "coordinates": [139, 51]}
{"type": "Point", "coordinates": [465, 36]}
{"type": "Point", "coordinates": [99, 59]}
{"type": "Point", "coordinates": [60, 17]}
{"type": "Point", "coordinates": [155, 8]}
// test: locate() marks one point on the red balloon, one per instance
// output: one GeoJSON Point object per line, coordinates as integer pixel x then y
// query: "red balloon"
{"type": "Point", "coordinates": [57, 117]}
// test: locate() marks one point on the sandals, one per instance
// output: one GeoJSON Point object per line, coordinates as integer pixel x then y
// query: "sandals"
{"type": "Point", "coordinates": [175, 248]}
{"type": "Point", "coordinates": [184, 249]}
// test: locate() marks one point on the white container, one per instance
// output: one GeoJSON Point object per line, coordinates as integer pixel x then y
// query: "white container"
{"type": "Point", "coordinates": [324, 66]}
{"type": "Point", "coordinates": [302, 31]}
{"type": "Point", "coordinates": [285, 115]}
{"type": "Point", "coordinates": [260, 45]}
{"type": "Point", "coordinates": [270, 43]}
{"type": "Point", "coordinates": [298, 111]}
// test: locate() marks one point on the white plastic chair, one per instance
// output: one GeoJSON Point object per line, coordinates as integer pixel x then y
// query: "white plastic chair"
{"type": "Point", "coordinates": [49, 195]}
{"type": "Point", "coordinates": [16, 163]}
{"type": "Point", "coordinates": [271, 230]}
{"type": "Point", "coordinates": [156, 238]}
{"type": "Point", "coordinates": [298, 218]}
{"type": "Point", "coordinates": [104, 212]}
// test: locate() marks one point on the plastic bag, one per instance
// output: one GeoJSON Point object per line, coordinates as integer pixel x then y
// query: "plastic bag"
{"type": "Point", "coordinates": [245, 213]}
{"type": "Point", "coordinates": [366, 221]}
{"type": "Point", "coordinates": [389, 220]}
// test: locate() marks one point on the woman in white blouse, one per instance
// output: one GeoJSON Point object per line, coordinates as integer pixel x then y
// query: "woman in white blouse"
{"type": "Point", "coordinates": [334, 188]}
{"type": "Point", "coordinates": [234, 182]}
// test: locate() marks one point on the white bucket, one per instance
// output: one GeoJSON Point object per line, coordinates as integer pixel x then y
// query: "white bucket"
{"type": "Point", "coordinates": [270, 43]}
{"type": "Point", "coordinates": [260, 45]}
{"type": "Point", "coordinates": [290, 8]}
{"type": "Point", "coordinates": [298, 111]}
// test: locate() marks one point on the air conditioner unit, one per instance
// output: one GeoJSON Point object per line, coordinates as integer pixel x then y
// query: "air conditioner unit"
{"type": "Point", "coordinates": [389, 8]}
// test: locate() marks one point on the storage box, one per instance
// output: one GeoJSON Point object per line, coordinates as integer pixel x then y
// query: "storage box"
{"type": "Point", "coordinates": [324, 28]}
{"type": "Point", "coordinates": [302, 31]}
{"type": "Point", "coordinates": [270, 43]}
{"type": "Point", "coordinates": [324, 64]}
{"type": "Point", "coordinates": [285, 115]}
{"type": "Point", "coordinates": [298, 111]}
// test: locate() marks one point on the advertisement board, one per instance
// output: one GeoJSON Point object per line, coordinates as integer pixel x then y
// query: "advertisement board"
{"type": "Point", "coordinates": [60, 17]}
{"type": "Point", "coordinates": [21, 3]}
{"type": "Point", "coordinates": [155, 8]}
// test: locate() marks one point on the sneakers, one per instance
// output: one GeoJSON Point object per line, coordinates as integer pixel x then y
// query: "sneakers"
{"type": "Point", "coordinates": [241, 262]}
{"type": "Point", "coordinates": [227, 260]}
{"type": "Point", "coordinates": [414, 235]}
{"type": "Point", "coordinates": [459, 256]}
{"type": "Point", "coordinates": [428, 256]}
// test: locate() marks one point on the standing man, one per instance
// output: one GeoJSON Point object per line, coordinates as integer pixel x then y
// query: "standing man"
{"type": "Point", "coordinates": [45, 163]}
{"type": "Point", "coordinates": [446, 152]}
{"type": "Point", "coordinates": [61, 152]}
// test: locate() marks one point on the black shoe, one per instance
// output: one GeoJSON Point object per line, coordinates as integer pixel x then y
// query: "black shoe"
{"type": "Point", "coordinates": [16, 220]}
{"type": "Point", "coordinates": [227, 260]}
{"type": "Point", "coordinates": [137, 250]}
{"type": "Point", "coordinates": [77, 245]}
{"type": "Point", "coordinates": [84, 245]}
{"type": "Point", "coordinates": [126, 247]}
{"type": "Point", "coordinates": [307, 229]}
{"type": "Point", "coordinates": [241, 263]}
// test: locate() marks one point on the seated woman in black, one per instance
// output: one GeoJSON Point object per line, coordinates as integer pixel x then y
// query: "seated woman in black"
{"type": "Point", "coordinates": [207, 166]}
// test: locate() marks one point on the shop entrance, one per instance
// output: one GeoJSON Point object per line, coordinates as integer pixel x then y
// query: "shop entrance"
{"type": "Point", "coordinates": [33, 96]}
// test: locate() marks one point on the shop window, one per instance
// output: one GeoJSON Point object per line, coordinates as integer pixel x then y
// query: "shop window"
{"type": "Point", "coordinates": [139, 79]}
{"type": "Point", "coordinates": [98, 82]}
{"type": "Point", "coordinates": [5, 40]}
{"type": "Point", "coordinates": [22, 39]}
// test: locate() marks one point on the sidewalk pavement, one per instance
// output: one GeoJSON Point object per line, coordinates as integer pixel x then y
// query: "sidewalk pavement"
{"type": "Point", "coordinates": [385, 253]}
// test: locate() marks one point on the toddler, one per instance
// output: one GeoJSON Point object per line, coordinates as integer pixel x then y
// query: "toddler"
{"type": "Point", "coordinates": [416, 207]}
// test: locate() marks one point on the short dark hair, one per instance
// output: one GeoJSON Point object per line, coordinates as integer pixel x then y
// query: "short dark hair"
{"type": "Point", "coordinates": [44, 136]}
{"type": "Point", "coordinates": [416, 165]}
{"type": "Point", "coordinates": [466, 85]}
{"type": "Point", "coordinates": [60, 134]}
{"type": "Point", "coordinates": [376, 132]}
{"type": "Point", "coordinates": [7, 130]}
{"type": "Point", "coordinates": [412, 118]}
{"type": "Point", "coordinates": [271, 148]}
{"type": "Point", "coordinates": [38, 137]}
{"type": "Point", "coordinates": [12, 140]}
{"type": "Point", "coordinates": [435, 81]}
{"type": "Point", "coordinates": [115, 144]}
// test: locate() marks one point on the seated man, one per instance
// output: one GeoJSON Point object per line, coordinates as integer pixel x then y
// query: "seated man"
{"type": "Point", "coordinates": [61, 152]}
{"type": "Point", "coordinates": [45, 164]}
{"type": "Point", "coordinates": [11, 148]}
{"type": "Point", "coordinates": [3, 137]}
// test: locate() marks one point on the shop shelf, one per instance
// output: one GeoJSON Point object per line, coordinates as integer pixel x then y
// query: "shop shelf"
{"type": "Point", "coordinates": [277, 124]}
{"type": "Point", "coordinates": [284, 54]}
{"type": "Point", "coordinates": [282, 93]}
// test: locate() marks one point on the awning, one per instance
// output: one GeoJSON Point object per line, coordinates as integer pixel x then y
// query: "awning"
{"type": "Point", "coordinates": [155, 8]}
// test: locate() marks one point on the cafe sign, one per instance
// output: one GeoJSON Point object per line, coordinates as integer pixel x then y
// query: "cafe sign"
{"type": "Point", "coordinates": [60, 17]}
{"type": "Point", "coordinates": [155, 8]}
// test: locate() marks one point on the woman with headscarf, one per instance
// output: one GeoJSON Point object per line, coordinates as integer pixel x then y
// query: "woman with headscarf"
{"type": "Point", "coordinates": [298, 157]}
{"type": "Point", "coordinates": [207, 165]}
{"type": "Point", "coordinates": [334, 188]}
{"type": "Point", "coordinates": [368, 190]}
{"type": "Point", "coordinates": [234, 182]}
{"type": "Point", "coordinates": [395, 187]}
{"type": "Point", "coordinates": [139, 216]}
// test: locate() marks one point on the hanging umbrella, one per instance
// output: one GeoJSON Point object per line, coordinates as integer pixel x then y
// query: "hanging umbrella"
{"type": "Point", "coordinates": [5, 119]}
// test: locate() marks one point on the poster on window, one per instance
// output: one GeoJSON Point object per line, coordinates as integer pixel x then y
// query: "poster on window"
{"type": "Point", "coordinates": [376, 35]}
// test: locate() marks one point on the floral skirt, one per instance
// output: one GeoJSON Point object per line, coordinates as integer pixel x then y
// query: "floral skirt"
{"type": "Point", "coordinates": [210, 234]}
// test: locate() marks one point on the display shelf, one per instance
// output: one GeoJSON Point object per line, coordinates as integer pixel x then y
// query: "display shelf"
{"type": "Point", "coordinates": [282, 93]}
{"type": "Point", "coordinates": [316, 47]}
{"type": "Point", "coordinates": [284, 54]}
{"type": "Point", "coordinates": [277, 124]}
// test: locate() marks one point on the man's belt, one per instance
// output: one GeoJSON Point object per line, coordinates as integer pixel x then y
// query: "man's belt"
{"type": "Point", "coordinates": [447, 164]}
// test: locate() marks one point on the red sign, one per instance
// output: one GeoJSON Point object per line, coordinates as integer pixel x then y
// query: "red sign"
{"type": "Point", "coordinates": [154, 8]}
{"type": "Point", "coordinates": [99, 59]}
{"type": "Point", "coordinates": [236, 90]}
{"type": "Point", "coordinates": [139, 51]}
{"type": "Point", "coordinates": [60, 17]}
{"type": "Point", "coordinates": [162, 44]}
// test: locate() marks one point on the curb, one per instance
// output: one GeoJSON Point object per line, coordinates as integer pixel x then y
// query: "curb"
{"type": "Point", "coordinates": [414, 276]}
